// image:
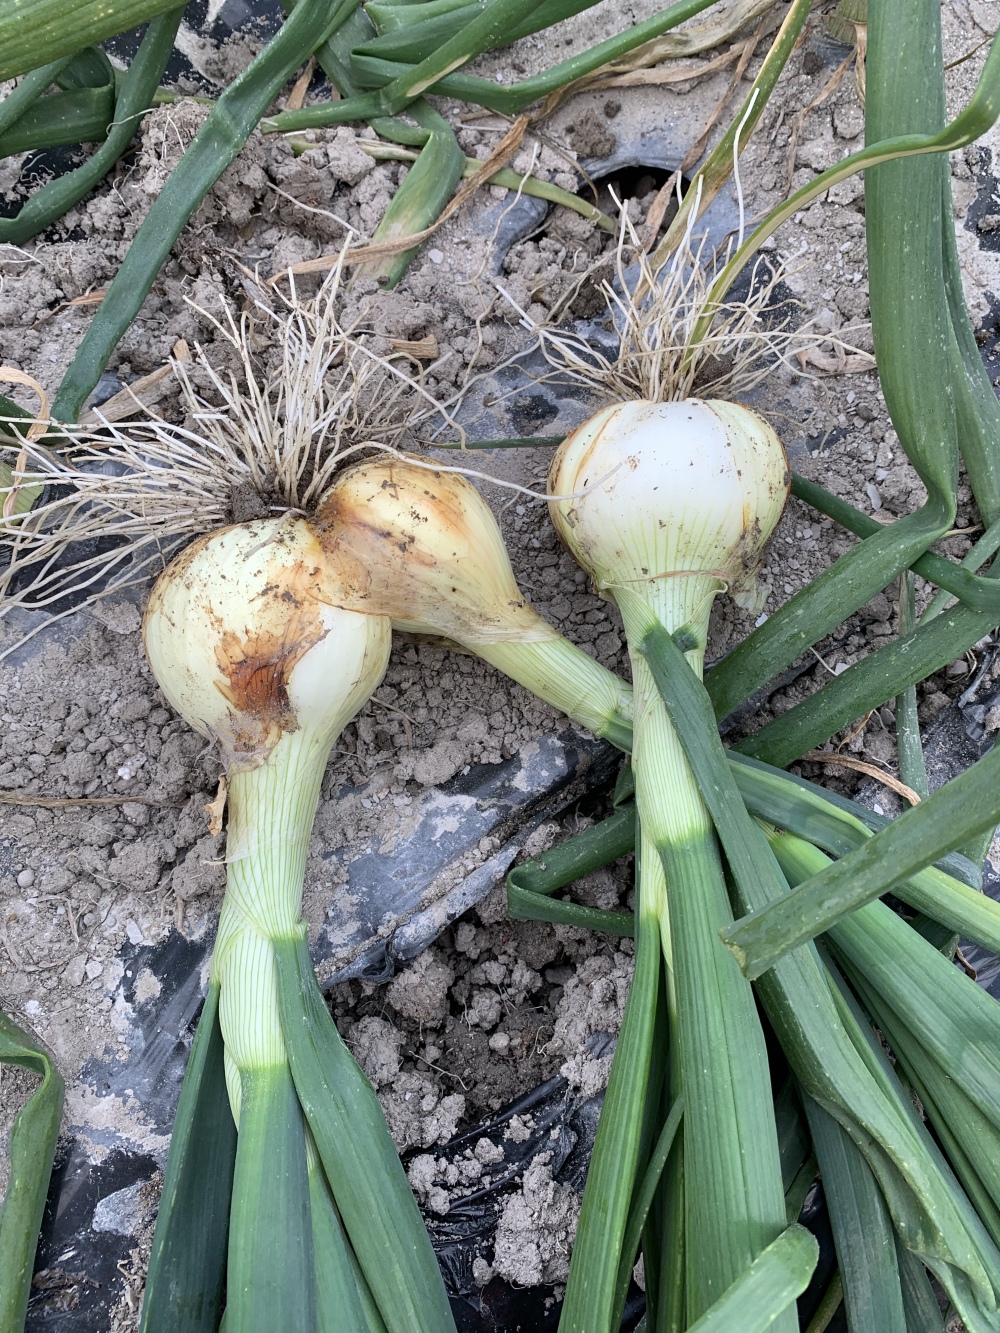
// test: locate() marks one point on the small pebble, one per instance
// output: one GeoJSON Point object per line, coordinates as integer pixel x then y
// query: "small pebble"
{"type": "Point", "coordinates": [25, 879]}
{"type": "Point", "coordinates": [75, 970]}
{"type": "Point", "coordinates": [93, 969]}
{"type": "Point", "coordinates": [500, 1042]}
{"type": "Point", "coordinates": [133, 932]}
{"type": "Point", "coordinates": [435, 256]}
{"type": "Point", "coordinates": [481, 1271]}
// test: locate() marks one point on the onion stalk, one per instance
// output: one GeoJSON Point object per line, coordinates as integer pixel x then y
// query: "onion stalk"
{"type": "Point", "coordinates": [250, 648]}
{"type": "Point", "coordinates": [675, 501]}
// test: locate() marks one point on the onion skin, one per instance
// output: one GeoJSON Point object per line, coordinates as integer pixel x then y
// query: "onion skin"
{"type": "Point", "coordinates": [423, 547]}
{"type": "Point", "coordinates": [690, 488]}
{"type": "Point", "coordinates": [245, 638]}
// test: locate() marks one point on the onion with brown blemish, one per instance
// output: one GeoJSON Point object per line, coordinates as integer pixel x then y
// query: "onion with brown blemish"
{"type": "Point", "coordinates": [247, 640]}
{"type": "Point", "coordinates": [248, 647]}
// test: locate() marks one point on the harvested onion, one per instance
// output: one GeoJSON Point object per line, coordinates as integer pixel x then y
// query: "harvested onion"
{"type": "Point", "coordinates": [422, 546]}
{"type": "Point", "coordinates": [674, 502]}
{"type": "Point", "coordinates": [247, 642]}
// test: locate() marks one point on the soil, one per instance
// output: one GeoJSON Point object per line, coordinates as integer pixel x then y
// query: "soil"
{"type": "Point", "coordinates": [495, 1007]}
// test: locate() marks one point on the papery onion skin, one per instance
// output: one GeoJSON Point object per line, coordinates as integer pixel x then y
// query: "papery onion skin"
{"type": "Point", "coordinates": [454, 577]}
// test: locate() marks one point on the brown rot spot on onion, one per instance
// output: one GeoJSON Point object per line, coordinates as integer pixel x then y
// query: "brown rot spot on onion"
{"type": "Point", "coordinates": [256, 669]}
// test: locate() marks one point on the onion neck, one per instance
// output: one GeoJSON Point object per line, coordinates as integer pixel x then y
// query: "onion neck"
{"type": "Point", "coordinates": [244, 966]}
{"type": "Point", "coordinates": [669, 804]}
{"type": "Point", "coordinates": [565, 677]}
{"type": "Point", "coordinates": [271, 812]}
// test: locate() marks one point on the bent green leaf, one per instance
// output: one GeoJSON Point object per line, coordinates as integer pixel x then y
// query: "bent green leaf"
{"type": "Point", "coordinates": [965, 806]}
{"type": "Point", "coordinates": [776, 1277]}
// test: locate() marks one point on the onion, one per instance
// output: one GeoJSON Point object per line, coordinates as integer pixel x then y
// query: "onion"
{"type": "Point", "coordinates": [676, 501]}
{"type": "Point", "coordinates": [422, 546]}
{"type": "Point", "coordinates": [672, 503]}
{"type": "Point", "coordinates": [244, 642]}
{"type": "Point", "coordinates": [247, 641]}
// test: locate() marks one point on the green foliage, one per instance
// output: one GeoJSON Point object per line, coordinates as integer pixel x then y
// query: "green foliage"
{"type": "Point", "coordinates": [32, 1149]}
{"type": "Point", "coordinates": [34, 33]}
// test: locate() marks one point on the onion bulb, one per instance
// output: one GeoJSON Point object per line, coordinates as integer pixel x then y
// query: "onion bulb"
{"type": "Point", "coordinates": [246, 644]}
{"type": "Point", "coordinates": [422, 546]}
{"type": "Point", "coordinates": [245, 641]}
{"type": "Point", "coordinates": [676, 500]}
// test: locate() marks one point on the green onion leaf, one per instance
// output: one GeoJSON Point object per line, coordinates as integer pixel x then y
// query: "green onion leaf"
{"type": "Point", "coordinates": [187, 1265]}
{"type": "Point", "coordinates": [768, 1287]}
{"type": "Point", "coordinates": [134, 99]}
{"type": "Point", "coordinates": [822, 1038]}
{"type": "Point", "coordinates": [358, 1155]}
{"type": "Point", "coordinates": [28, 91]}
{"type": "Point", "coordinates": [470, 88]}
{"type": "Point", "coordinates": [644, 1195]}
{"type": "Point", "coordinates": [338, 1300]}
{"type": "Point", "coordinates": [919, 1302]}
{"type": "Point", "coordinates": [227, 128]}
{"type": "Point", "coordinates": [32, 1149]}
{"type": "Point", "coordinates": [271, 1282]}
{"type": "Point", "coordinates": [530, 884]}
{"type": "Point", "coordinates": [80, 116]}
{"type": "Point", "coordinates": [862, 1230]}
{"type": "Point", "coordinates": [956, 812]}
{"type": "Point", "coordinates": [423, 194]}
{"type": "Point", "coordinates": [35, 32]}
{"type": "Point", "coordinates": [592, 1286]}
{"type": "Point", "coordinates": [917, 339]}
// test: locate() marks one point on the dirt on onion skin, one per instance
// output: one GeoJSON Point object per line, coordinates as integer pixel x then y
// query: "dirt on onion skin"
{"type": "Point", "coordinates": [496, 1006]}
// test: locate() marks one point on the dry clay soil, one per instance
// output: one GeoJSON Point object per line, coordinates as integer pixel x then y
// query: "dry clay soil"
{"type": "Point", "coordinates": [495, 1006]}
